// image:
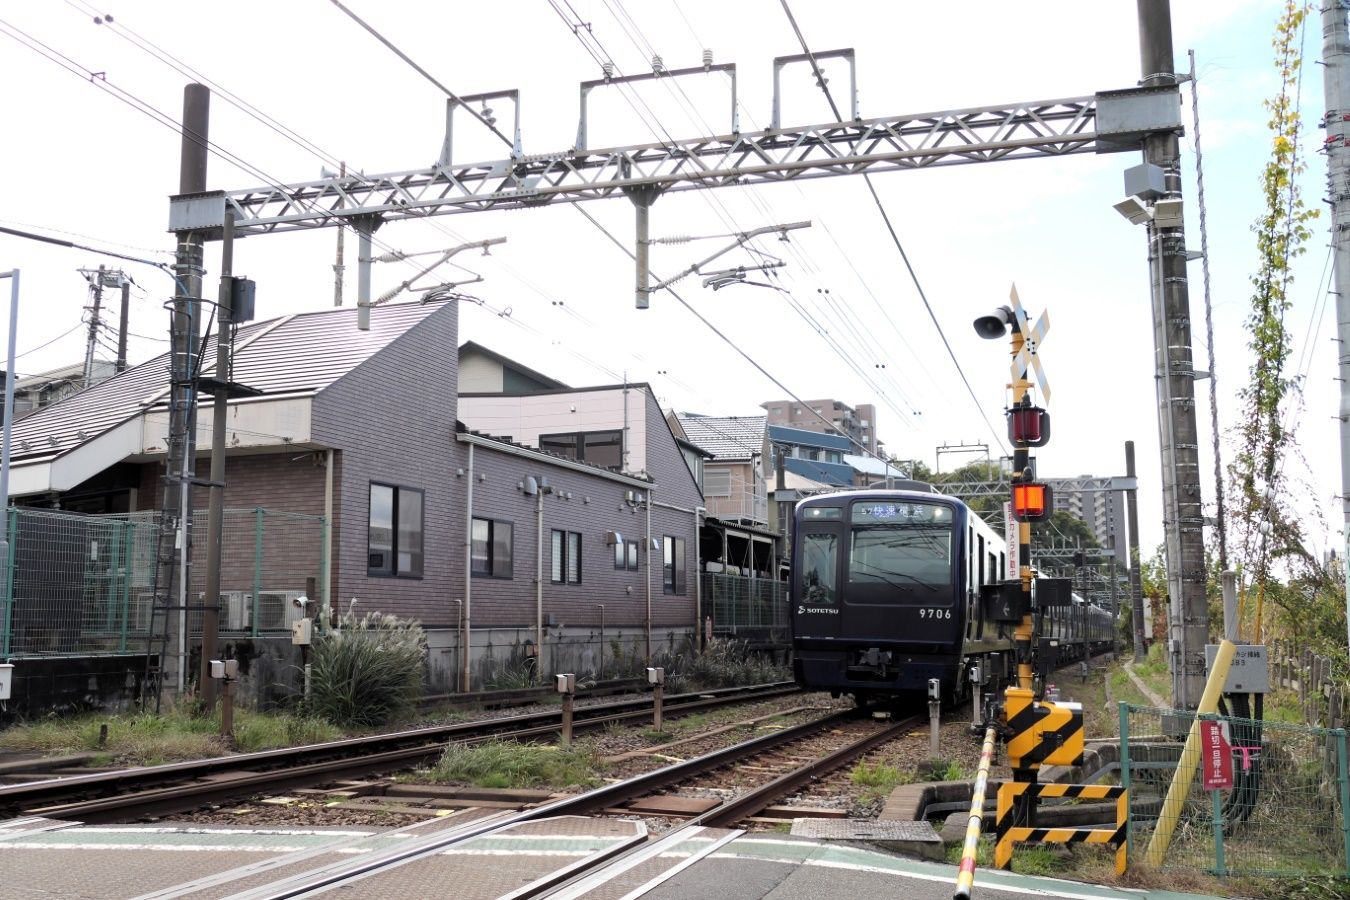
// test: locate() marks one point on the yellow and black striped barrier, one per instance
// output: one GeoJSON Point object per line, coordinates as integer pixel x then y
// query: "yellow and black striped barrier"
{"type": "Point", "coordinates": [1006, 835]}
{"type": "Point", "coordinates": [1041, 732]}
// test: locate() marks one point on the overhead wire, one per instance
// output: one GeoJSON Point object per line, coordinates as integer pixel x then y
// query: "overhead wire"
{"type": "Point", "coordinates": [725, 214]}
{"type": "Point", "coordinates": [895, 237]}
{"type": "Point", "coordinates": [640, 41]}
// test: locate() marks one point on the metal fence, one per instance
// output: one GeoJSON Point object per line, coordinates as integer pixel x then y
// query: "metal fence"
{"type": "Point", "coordinates": [753, 610]}
{"type": "Point", "coordinates": [1285, 815]}
{"type": "Point", "coordinates": [79, 585]}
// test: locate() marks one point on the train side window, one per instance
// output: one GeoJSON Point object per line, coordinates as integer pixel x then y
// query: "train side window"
{"type": "Point", "coordinates": [982, 580]}
{"type": "Point", "coordinates": [820, 555]}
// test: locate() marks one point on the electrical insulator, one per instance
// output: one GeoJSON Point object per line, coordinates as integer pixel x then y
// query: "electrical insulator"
{"type": "Point", "coordinates": [707, 58]}
{"type": "Point", "coordinates": [607, 69]}
{"type": "Point", "coordinates": [487, 115]}
{"type": "Point", "coordinates": [658, 65]}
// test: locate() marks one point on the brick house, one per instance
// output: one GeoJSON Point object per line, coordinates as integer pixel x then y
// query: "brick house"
{"type": "Point", "coordinates": [426, 517]}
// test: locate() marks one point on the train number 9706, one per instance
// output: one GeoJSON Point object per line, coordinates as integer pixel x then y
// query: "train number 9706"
{"type": "Point", "coordinates": [929, 612]}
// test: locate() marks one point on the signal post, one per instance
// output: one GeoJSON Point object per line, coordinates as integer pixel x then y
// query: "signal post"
{"type": "Point", "coordinates": [1037, 731]}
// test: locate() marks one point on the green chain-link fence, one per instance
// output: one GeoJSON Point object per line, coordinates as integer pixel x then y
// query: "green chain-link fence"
{"type": "Point", "coordinates": [1285, 815]}
{"type": "Point", "coordinates": [79, 585]}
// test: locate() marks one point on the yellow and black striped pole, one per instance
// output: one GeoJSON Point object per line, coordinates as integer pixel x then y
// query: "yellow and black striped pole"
{"type": "Point", "coordinates": [965, 876]}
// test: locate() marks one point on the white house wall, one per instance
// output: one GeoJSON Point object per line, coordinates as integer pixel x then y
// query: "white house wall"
{"type": "Point", "coordinates": [524, 418]}
{"type": "Point", "coordinates": [480, 375]}
{"type": "Point", "coordinates": [267, 423]}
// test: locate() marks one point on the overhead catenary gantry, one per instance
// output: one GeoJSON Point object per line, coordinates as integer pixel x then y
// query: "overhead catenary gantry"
{"type": "Point", "coordinates": [1146, 117]}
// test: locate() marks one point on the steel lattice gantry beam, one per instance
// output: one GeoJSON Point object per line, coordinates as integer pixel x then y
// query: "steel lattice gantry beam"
{"type": "Point", "coordinates": [1110, 121]}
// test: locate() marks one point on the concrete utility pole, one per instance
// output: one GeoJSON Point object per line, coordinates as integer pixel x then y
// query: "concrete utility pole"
{"type": "Point", "coordinates": [185, 333]}
{"type": "Point", "coordinates": [1136, 558]}
{"type": "Point", "coordinates": [1336, 86]}
{"type": "Point", "coordinates": [122, 326]}
{"type": "Point", "coordinates": [97, 282]}
{"type": "Point", "coordinates": [1175, 374]}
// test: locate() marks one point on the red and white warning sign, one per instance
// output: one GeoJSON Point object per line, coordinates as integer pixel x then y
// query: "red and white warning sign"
{"type": "Point", "coordinates": [1216, 756]}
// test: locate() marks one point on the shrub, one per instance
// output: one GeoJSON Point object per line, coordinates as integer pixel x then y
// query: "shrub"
{"type": "Point", "coordinates": [368, 670]}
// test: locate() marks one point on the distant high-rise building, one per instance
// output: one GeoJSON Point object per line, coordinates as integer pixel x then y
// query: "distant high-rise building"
{"type": "Point", "coordinates": [1103, 509]}
{"type": "Point", "coordinates": [827, 417]}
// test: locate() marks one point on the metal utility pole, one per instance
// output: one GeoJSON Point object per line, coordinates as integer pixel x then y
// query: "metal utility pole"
{"type": "Point", "coordinates": [1136, 559]}
{"type": "Point", "coordinates": [1175, 374]}
{"type": "Point", "coordinates": [338, 267]}
{"type": "Point", "coordinates": [215, 509]}
{"type": "Point", "coordinates": [1336, 86]}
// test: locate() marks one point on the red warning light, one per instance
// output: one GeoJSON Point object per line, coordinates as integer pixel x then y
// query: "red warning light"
{"type": "Point", "coordinates": [1028, 426]}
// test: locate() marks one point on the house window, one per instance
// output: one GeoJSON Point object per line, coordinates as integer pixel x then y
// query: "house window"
{"type": "Point", "coordinates": [491, 547]}
{"type": "Point", "coordinates": [626, 555]}
{"type": "Point", "coordinates": [717, 483]}
{"type": "Point", "coordinates": [394, 541]}
{"type": "Point", "coordinates": [672, 572]}
{"type": "Point", "coordinates": [566, 557]}
{"type": "Point", "coordinates": [599, 448]}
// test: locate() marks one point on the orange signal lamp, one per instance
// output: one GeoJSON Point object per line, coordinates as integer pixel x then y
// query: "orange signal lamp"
{"type": "Point", "coordinates": [1031, 501]}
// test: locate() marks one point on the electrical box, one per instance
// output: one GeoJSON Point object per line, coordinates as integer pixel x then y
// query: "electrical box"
{"type": "Point", "coordinates": [224, 668]}
{"type": "Point", "coordinates": [934, 689]}
{"type": "Point", "coordinates": [656, 676]}
{"type": "Point", "coordinates": [242, 296]}
{"type": "Point", "coordinates": [1249, 673]}
{"type": "Point", "coordinates": [6, 680]}
{"type": "Point", "coordinates": [1043, 733]}
{"type": "Point", "coordinates": [567, 684]}
{"type": "Point", "coordinates": [302, 632]}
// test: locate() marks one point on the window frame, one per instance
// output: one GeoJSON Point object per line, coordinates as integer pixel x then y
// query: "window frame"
{"type": "Point", "coordinates": [565, 554]}
{"type": "Point", "coordinates": [394, 567]}
{"type": "Point", "coordinates": [677, 585]}
{"type": "Point", "coordinates": [492, 562]}
{"type": "Point", "coordinates": [578, 442]}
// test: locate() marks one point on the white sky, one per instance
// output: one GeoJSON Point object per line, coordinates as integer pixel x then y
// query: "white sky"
{"type": "Point", "coordinates": [84, 165]}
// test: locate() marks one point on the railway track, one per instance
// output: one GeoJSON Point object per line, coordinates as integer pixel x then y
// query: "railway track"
{"type": "Point", "coordinates": [575, 880]}
{"type": "Point", "coordinates": [162, 790]}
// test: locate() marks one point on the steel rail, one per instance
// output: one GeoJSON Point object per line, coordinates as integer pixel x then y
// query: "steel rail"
{"type": "Point", "coordinates": [755, 801]}
{"type": "Point", "coordinates": [287, 765]}
{"type": "Point", "coordinates": [581, 804]}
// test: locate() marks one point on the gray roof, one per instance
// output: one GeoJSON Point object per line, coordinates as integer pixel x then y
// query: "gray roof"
{"type": "Point", "coordinates": [294, 355]}
{"type": "Point", "coordinates": [726, 437]}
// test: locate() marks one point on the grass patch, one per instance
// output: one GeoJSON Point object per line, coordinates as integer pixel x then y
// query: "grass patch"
{"type": "Point", "coordinates": [878, 779]}
{"type": "Point", "coordinates": [507, 764]}
{"type": "Point", "coordinates": [144, 739]}
{"type": "Point", "coordinates": [1027, 859]}
{"type": "Point", "coordinates": [369, 671]}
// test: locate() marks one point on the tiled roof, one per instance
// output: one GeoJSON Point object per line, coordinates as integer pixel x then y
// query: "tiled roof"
{"type": "Point", "coordinates": [783, 434]}
{"type": "Point", "coordinates": [726, 437]}
{"type": "Point", "coordinates": [824, 472]}
{"type": "Point", "coordinates": [298, 354]}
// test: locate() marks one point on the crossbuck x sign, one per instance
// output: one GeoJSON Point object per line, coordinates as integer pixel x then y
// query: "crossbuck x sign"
{"type": "Point", "coordinates": [1032, 338]}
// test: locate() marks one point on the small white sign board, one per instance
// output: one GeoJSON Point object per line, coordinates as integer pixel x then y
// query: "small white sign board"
{"type": "Point", "coordinates": [1248, 674]}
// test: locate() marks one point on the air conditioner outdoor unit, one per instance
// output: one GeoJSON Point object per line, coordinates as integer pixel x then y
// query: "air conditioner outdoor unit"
{"type": "Point", "coordinates": [278, 609]}
{"type": "Point", "coordinates": [236, 609]}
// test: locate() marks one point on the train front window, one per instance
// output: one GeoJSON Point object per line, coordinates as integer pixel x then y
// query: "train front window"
{"type": "Point", "coordinates": [820, 562]}
{"type": "Point", "coordinates": [902, 546]}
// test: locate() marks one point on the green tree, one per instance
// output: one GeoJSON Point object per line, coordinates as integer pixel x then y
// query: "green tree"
{"type": "Point", "coordinates": [1265, 527]}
